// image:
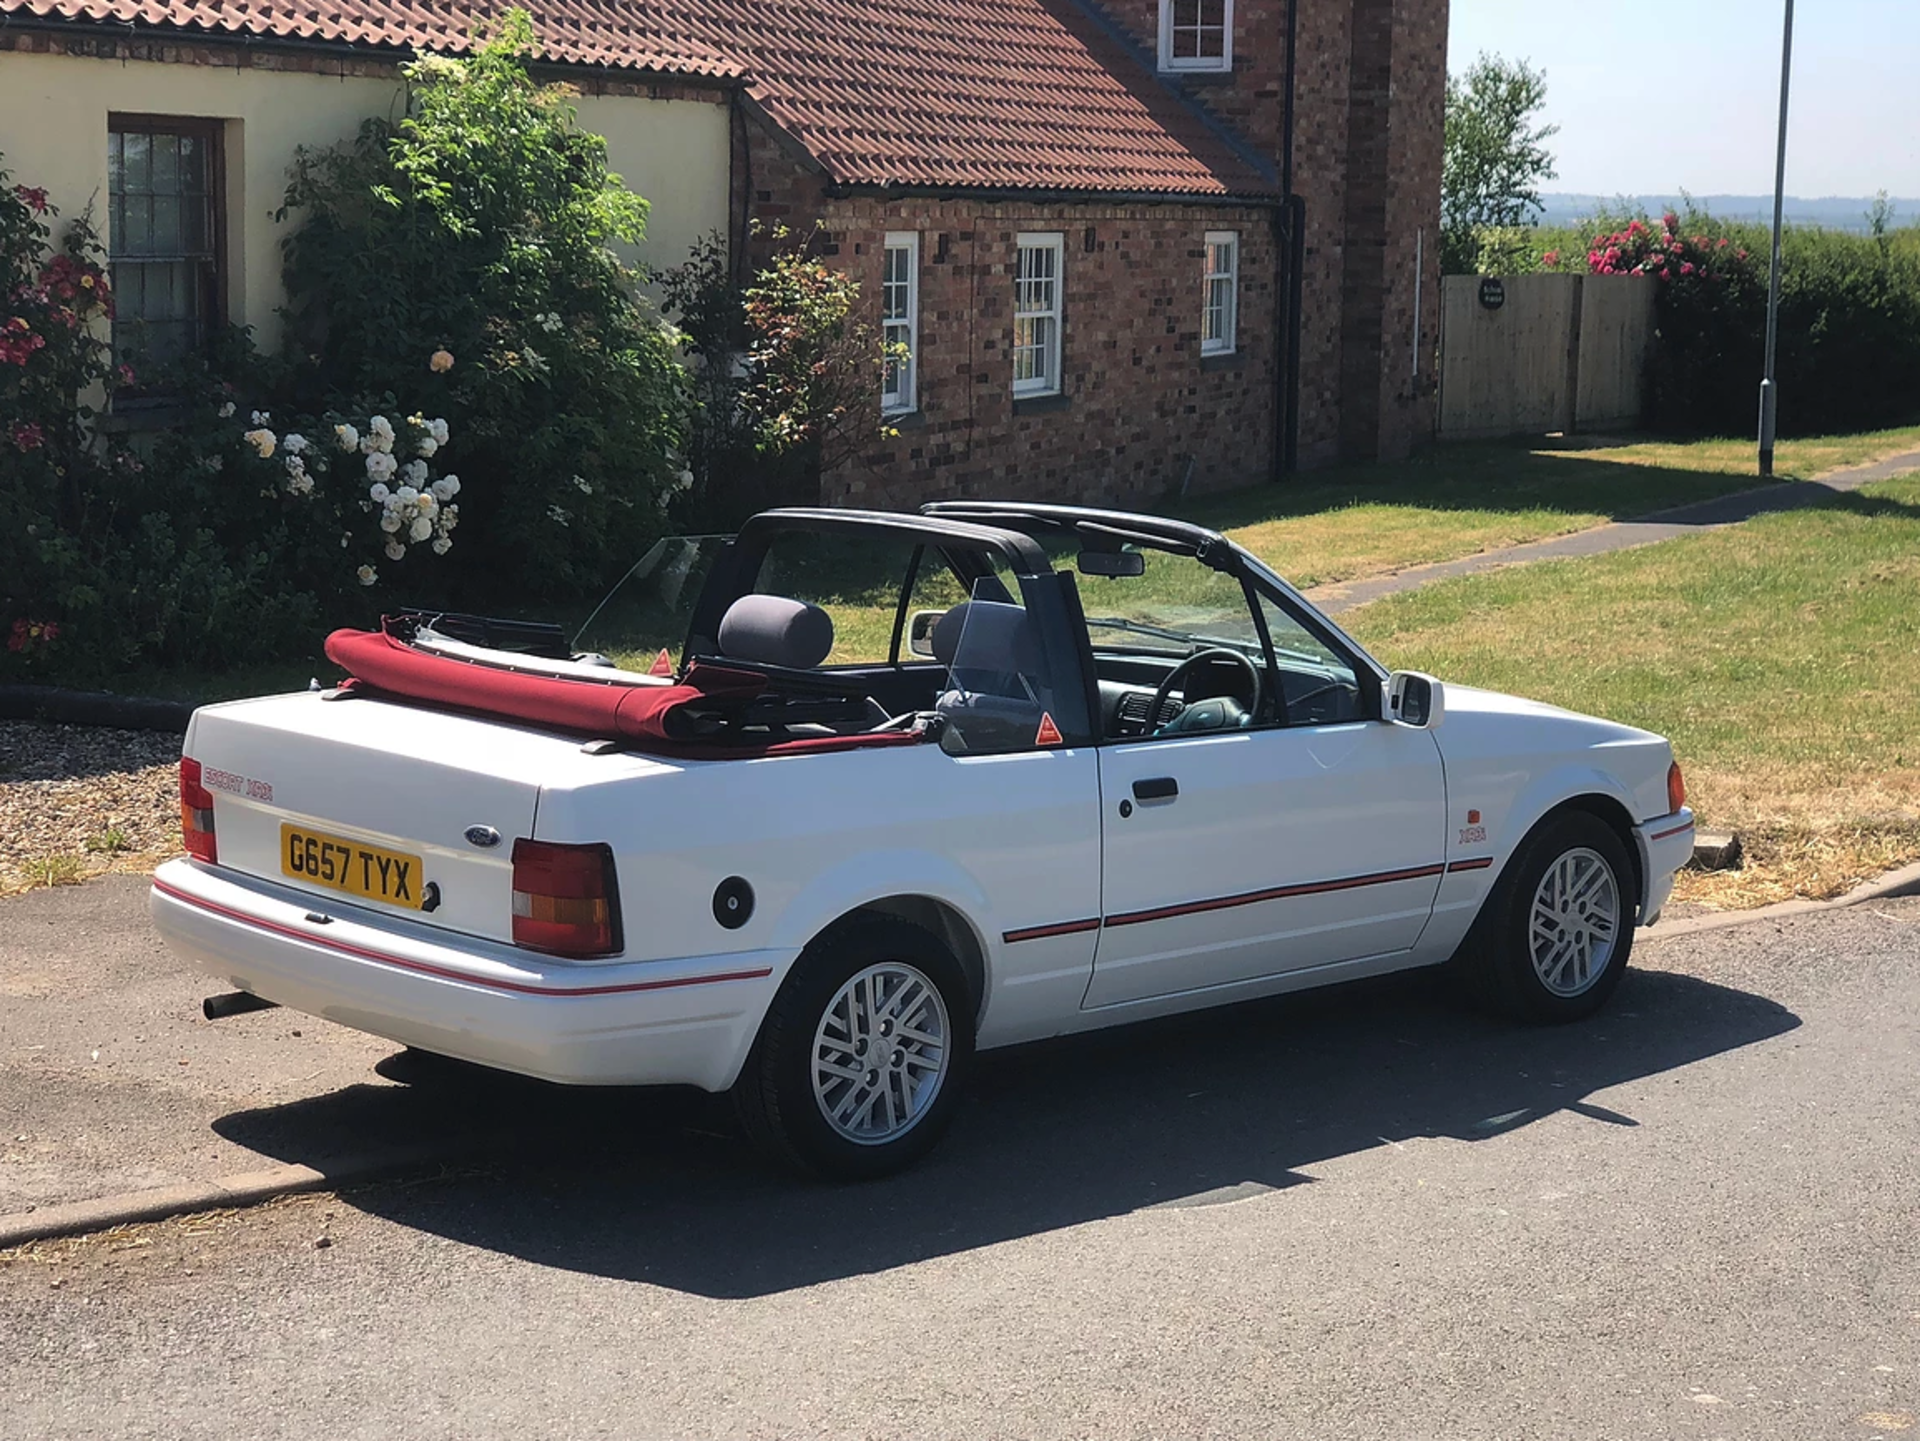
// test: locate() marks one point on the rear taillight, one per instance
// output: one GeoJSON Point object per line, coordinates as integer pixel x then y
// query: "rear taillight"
{"type": "Point", "coordinates": [1676, 788]}
{"type": "Point", "coordinates": [196, 813]}
{"type": "Point", "coordinates": [565, 901]}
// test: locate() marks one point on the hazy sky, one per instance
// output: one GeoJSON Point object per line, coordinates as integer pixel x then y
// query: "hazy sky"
{"type": "Point", "coordinates": [1652, 97]}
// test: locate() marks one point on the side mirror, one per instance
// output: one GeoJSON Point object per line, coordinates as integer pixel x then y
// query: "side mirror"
{"type": "Point", "coordinates": [920, 631]}
{"type": "Point", "coordinates": [1417, 700]}
{"type": "Point", "coordinates": [1112, 562]}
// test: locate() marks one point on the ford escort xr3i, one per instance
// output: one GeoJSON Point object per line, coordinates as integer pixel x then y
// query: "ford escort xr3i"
{"type": "Point", "coordinates": [915, 786]}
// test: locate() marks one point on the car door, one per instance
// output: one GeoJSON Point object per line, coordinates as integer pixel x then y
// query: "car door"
{"type": "Point", "coordinates": [1314, 838]}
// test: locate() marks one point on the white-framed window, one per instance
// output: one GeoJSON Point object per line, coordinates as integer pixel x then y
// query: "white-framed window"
{"type": "Point", "coordinates": [1036, 314]}
{"type": "Point", "coordinates": [1220, 315]}
{"type": "Point", "coordinates": [1196, 34]}
{"type": "Point", "coordinates": [900, 322]}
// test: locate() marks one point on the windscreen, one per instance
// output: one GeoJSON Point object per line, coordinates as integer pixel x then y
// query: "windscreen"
{"type": "Point", "coordinates": [648, 612]}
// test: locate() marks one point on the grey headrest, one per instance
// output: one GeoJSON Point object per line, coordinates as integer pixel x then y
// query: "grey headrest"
{"type": "Point", "coordinates": [999, 637]}
{"type": "Point", "coordinates": [772, 630]}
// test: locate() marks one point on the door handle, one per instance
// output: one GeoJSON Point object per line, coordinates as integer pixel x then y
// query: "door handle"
{"type": "Point", "coordinates": [1158, 788]}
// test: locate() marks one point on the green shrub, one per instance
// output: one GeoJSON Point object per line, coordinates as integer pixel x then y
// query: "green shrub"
{"type": "Point", "coordinates": [785, 377]}
{"type": "Point", "coordinates": [461, 258]}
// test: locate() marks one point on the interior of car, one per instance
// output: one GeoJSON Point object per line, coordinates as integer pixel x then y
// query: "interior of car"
{"type": "Point", "coordinates": [1179, 648]}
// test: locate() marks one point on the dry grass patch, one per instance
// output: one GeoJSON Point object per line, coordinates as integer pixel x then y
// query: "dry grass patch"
{"type": "Point", "coordinates": [1779, 656]}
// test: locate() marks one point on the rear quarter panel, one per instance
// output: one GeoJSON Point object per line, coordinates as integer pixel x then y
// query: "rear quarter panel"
{"type": "Point", "coordinates": [1006, 841]}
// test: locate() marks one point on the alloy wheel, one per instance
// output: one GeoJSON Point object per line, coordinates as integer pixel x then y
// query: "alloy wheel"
{"type": "Point", "coordinates": [880, 1053]}
{"type": "Point", "coordinates": [1574, 923]}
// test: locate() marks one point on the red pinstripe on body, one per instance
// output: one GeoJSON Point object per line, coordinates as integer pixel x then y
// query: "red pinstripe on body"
{"type": "Point", "coordinates": [1041, 933]}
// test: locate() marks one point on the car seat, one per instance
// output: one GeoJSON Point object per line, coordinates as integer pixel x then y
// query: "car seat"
{"type": "Point", "coordinates": [996, 697]}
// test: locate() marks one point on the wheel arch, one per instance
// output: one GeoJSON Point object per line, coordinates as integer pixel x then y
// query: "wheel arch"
{"type": "Point", "coordinates": [947, 923]}
{"type": "Point", "coordinates": [1612, 812]}
{"type": "Point", "coordinates": [921, 888]}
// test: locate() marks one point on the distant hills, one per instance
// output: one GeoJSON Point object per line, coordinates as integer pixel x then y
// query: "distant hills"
{"type": "Point", "coordinates": [1834, 212]}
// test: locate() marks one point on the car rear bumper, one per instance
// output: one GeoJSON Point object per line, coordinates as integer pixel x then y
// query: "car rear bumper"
{"type": "Point", "coordinates": [667, 1022]}
{"type": "Point", "coordinates": [1665, 846]}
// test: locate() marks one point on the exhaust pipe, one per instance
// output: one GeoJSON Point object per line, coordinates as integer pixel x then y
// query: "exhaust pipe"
{"type": "Point", "coordinates": [234, 1003]}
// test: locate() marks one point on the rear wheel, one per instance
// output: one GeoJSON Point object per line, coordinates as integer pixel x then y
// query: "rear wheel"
{"type": "Point", "coordinates": [1553, 939]}
{"type": "Point", "coordinates": [859, 1062]}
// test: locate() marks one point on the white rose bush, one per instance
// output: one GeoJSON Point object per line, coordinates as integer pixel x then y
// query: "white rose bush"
{"type": "Point", "coordinates": [370, 480]}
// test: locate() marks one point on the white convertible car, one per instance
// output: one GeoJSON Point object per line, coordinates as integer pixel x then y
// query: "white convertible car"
{"type": "Point", "coordinates": [915, 786]}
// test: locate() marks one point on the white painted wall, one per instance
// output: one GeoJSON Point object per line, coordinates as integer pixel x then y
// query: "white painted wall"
{"type": "Point", "coordinates": [53, 133]}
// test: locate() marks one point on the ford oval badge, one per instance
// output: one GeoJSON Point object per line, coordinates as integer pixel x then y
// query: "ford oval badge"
{"type": "Point", "coordinates": [484, 836]}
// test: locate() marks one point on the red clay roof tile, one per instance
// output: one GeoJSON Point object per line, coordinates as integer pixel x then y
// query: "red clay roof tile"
{"type": "Point", "coordinates": [1022, 94]}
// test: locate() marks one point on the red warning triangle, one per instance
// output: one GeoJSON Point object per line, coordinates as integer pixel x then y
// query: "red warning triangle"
{"type": "Point", "coordinates": [662, 663]}
{"type": "Point", "coordinates": [1049, 734]}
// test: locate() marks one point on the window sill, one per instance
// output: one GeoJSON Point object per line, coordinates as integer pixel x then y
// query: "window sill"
{"type": "Point", "coordinates": [1039, 404]}
{"type": "Point", "coordinates": [1220, 76]}
{"type": "Point", "coordinates": [134, 417]}
{"type": "Point", "coordinates": [914, 419]}
{"type": "Point", "coordinates": [1223, 360]}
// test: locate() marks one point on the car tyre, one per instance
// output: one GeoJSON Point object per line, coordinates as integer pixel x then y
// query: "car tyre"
{"type": "Point", "coordinates": [1554, 937]}
{"type": "Point", "coordinates": [862, 1055]}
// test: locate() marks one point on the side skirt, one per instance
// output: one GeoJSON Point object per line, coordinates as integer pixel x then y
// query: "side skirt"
{"type": "Point", "coordinates": [1121, 1013]}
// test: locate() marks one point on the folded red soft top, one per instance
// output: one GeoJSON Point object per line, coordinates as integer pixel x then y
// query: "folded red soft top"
{"type": "Point", "coordinates": [644, 715]}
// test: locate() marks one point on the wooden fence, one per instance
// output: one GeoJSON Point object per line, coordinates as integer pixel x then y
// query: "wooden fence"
{"type": "Point", "coordinates": [1563, 353]}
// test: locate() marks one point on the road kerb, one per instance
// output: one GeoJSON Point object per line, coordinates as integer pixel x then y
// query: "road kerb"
{"type": "Point", "coordinates": [1903, 882]}
{"type": "Point", "coordinates": [248, 1188]}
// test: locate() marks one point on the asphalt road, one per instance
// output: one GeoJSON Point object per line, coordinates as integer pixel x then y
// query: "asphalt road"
{"type": "Point", "coordinates": [1365, 1214]}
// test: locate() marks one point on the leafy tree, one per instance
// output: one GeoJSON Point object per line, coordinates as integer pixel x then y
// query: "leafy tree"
{"type": "Point", "coordinates": [1496, 155]}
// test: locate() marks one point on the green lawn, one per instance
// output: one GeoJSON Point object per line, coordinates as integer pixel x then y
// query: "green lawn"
{"type": "Point", "coordinates": [1458, 500]}
{"type": "Point", "coordinates": [1781, 657]}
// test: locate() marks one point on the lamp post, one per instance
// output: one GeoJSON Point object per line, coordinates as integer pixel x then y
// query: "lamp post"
{"type": "Point", "coordinates": [1769, 394]}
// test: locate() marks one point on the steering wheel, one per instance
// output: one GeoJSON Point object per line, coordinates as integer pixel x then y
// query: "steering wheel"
{"type": "Point", "coordinates": [1192, 662]}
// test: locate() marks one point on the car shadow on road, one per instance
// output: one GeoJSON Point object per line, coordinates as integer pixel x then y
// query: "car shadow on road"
{"type": "Point", "coordinates": [1196, 1110]}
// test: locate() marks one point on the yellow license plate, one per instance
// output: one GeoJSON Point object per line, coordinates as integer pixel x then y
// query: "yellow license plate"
{"type": "Point", "coordinates": [391, 877]}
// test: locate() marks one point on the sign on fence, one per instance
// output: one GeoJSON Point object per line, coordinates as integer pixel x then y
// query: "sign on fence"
{"type": "Point", "coordinates": [1551, 353]}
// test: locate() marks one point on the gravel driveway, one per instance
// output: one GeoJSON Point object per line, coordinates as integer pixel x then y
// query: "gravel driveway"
{"type": "Point", "coordinates": [78, 800]}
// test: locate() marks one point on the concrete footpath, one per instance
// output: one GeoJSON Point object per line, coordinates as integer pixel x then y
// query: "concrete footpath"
{"type": "Point", "coordinates": [1692, 519]}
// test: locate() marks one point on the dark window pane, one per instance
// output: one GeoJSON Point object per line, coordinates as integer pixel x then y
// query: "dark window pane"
{"type": "Point", "coordinates": [166, 225]}
{"type": "Point", "coordinates": [139, 239]}
{"type": "Point", "coordinates": [193, 164]}
{"type": "Point", "coordinates": [166, 164]}
{"type": "Point", "coordinates": [193, 225]}
{"type": "Point", "coordinates": [139, 169]}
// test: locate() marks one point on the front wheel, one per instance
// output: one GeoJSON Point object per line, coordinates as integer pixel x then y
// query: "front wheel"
{"type": "Point", "coordinates": [859, 1062]}
{"type": "Point", "coordinates": [1553, 940]}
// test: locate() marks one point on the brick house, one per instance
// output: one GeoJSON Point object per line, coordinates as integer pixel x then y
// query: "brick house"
{"type": "Point", "coordinates": [1077, 212]}
{"type": "Point", "coordinates": [1134, 246]}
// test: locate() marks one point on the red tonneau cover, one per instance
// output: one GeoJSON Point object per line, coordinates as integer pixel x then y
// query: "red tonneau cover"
{"type": "Point", "coordinates": [642, 714]}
